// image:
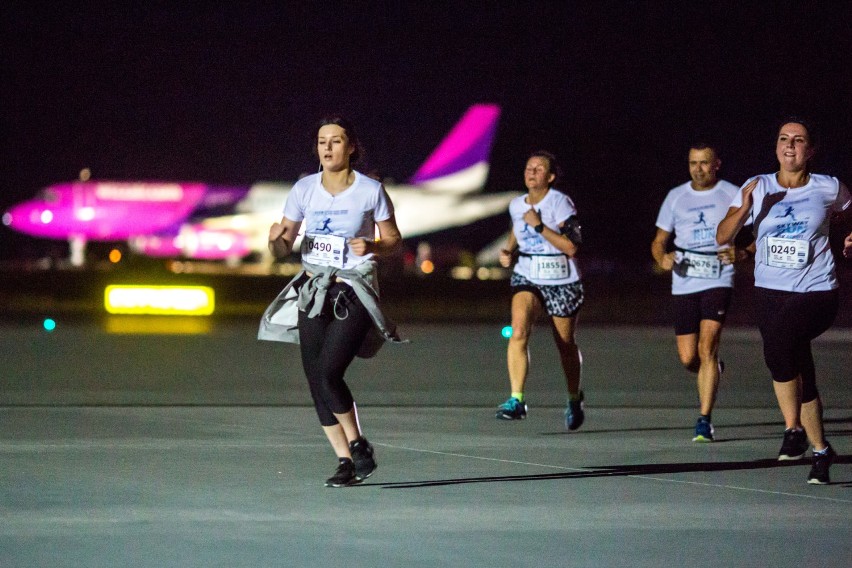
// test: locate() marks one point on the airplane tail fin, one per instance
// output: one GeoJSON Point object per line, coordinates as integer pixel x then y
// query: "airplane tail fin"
{"type": "Point", "coordinates": [460, 162]}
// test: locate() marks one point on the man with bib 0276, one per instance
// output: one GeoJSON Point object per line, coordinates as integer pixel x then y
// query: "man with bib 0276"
{"type": "Point", "coordinates": [702, 273]}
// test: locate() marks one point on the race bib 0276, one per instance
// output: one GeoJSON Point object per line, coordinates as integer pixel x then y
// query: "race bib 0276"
{"type": "Point", "coordinates": [701, 265]}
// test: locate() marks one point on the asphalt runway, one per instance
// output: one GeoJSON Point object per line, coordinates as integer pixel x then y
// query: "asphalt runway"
{"type": "Point", "coordinates": [123, 447]}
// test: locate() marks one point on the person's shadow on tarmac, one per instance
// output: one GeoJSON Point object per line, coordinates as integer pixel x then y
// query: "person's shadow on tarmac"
{"type": "Point", "coordinates": [644, 469]}
{"type": "Point", "coordinates": [619, 471]}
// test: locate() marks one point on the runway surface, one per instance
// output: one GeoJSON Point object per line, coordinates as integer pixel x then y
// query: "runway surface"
{"type": "Point", "coordinates": [156, 449]}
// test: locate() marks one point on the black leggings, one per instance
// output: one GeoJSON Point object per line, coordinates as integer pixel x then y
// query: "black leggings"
{"type": "Point", "coordinates": [329, 343]}
{"type": "Point", "coordinates": [788, 321]}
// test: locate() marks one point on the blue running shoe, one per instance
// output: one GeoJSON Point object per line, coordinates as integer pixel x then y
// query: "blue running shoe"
{"type": "Point", "coordinates": [574, 415]}
{"type": "Point", "coordinates": [512, 409]}
{"type": "Point", "coordinates": [703, 430]}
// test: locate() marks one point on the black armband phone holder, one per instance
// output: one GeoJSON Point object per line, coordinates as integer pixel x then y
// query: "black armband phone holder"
{"type": "Point", "coordinates": [571, 229]}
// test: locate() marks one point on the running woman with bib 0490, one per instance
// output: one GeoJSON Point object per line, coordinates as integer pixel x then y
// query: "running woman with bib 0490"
{"type": "Point", "coordinates": [796, 288]}
{"type": "Point", "coordinates": [702, 273]}
{"type": "Point", "coordinates": [335, 296]}
{"type": "Point", "coordinates": [544, 240]}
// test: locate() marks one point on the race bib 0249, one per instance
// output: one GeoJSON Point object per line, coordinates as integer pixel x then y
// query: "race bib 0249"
{"type": "Point", "coordinates": [787, 253]}
{"type": "Point", "coordinates": [323, 250]}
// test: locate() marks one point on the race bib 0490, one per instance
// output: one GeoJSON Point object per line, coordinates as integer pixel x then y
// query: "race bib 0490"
{"type": "Point", "coordinates": [323, 250]}
{"type": "Point", "coordinates": [787, 253]}
{"type": "Point", "coordinates": [547, 267]}
{"type": "Point", "coordinates": [701, 265]}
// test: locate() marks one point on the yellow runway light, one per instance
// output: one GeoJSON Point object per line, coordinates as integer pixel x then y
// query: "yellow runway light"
{"type": "Point", "coordinates": [159, 300]}
{"type": "Point", "coordinates": [157, 325]}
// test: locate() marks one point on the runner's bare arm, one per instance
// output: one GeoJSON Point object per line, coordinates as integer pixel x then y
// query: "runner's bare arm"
{"type": "Point", "coordinates": [282, 236]}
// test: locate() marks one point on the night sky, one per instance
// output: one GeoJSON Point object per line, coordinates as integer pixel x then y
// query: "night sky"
{"type": "Point", "coordinates": [231, 94]}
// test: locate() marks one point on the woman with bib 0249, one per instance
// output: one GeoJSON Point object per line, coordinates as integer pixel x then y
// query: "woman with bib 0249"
{"type": "Point", "coordinates": [543, 242]}
{"type": "Point", "coordinates": [796, 287]}
{"type": "Point", "coordinates": [337, 290]}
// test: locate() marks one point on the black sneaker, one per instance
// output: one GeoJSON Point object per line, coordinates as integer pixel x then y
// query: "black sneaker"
{"type": "Point", "coordinates": [364, 458]}
{"type": "Point", "coordinates": [344, 476]}
{"type": "Point", "coordinates": [794, 446]}
{"type": "Point", "coordinates": [819, 469]}
{"type": "Point", "coordinates": [574, 413]}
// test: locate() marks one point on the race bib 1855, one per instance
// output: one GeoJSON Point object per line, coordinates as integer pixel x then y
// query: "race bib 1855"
{"type": "Point", "coordinates": [549, 267]}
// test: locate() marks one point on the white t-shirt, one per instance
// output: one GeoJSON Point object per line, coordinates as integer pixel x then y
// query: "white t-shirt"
{"type": "Point", "coordinates": [692, 215]}
{"type": "Point", "coordinates": [349, 214]}
{"type": "Point", "coordinates": [792, 225]}
{"type": "Point", "coordinates": [555, 208]}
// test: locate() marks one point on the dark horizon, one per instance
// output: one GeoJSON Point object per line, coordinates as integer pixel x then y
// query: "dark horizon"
{"type": "Point", "coordinates": [230, 94]}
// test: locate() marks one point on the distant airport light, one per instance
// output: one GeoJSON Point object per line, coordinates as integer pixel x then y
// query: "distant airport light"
{"type": "Point", "coordinates": [427, 267]}
{"type": "Point", "coordinates": [223, 242]}
{"type": "Point", "coordinates": [159, 300]}
{"type": "Point", "coordinates": [46, 216]}
{"type": "Point", "coordinates": [139, 191]}
{"type": "Point", "coordinates": [157, 325]}
{"type": "Point", "coordinates": [85, 213]}
{"type": "Point", "coordinates": [506, 331]}
{"type": "Point", "coordinates": [49, 324]}
{"type": "Point", "coordinates": [462, 272]}
{"type": "Point", "coordinates": [115, 256]}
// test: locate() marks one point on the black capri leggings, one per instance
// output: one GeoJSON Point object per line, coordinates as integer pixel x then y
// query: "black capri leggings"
{"type": "Point", "coordinates": [329, 343]}
{"type": "Point", "coordinates": [788, 321]}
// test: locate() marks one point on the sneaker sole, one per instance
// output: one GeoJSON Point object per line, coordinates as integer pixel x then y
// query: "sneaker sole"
{"type": "Point", "coordinates": [702, 439]}
{"type": "Point", "coordinates": [355, 481]}
{"type": "Point", "coordinates": [787, 457]}
{"type": "Point", "coordinates": [815, 481]}
{"type": "Point", "coordinates": [361, 477]}
{"type": "Point", "coordinates": [575, 424]}
{"type": "Point", "coordinates": [499, 416]}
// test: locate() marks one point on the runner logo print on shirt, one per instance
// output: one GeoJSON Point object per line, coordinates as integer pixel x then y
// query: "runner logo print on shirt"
{"type": "Point", "coordinates": [702, 234]}
{"type": "Point", "coordinates": [786, 248]}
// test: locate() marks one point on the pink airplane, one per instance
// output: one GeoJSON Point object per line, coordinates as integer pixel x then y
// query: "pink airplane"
{"type": "Point", "coordinates": [200, 221]}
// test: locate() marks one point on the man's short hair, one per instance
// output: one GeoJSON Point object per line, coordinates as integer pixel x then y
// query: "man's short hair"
{"type": "Point", "coordinates": [702, 145]}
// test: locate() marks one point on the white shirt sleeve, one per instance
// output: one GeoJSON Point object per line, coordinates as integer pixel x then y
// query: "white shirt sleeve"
{"type": "Point", "coordinates": [294, 208]}
{"type": "Point", "coordinates": [665, 218]}
{"type": "Point", "coordinates": [844, 198]}
{"type": "Point", "coordinates": [384, 206]}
